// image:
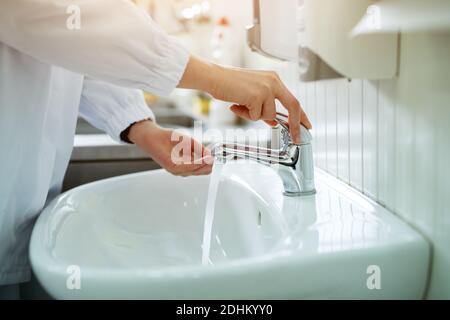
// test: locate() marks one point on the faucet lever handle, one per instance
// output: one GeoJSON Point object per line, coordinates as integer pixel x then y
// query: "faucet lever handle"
{"type": "Point", "coordinates": [282, 120]}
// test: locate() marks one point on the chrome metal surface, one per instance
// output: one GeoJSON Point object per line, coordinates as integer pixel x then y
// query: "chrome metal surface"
{"type": "Point", "coordinates": [293, 162]}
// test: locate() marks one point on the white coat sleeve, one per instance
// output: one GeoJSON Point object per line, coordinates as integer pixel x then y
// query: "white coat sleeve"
{"type": "Point", "coordinates": [112, 108]}
{"type": "Point", "coordinates": [117, 42]}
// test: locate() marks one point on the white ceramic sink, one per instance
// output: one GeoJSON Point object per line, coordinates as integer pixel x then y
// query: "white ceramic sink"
{"type": "Point", "coordinates": [139, 237]}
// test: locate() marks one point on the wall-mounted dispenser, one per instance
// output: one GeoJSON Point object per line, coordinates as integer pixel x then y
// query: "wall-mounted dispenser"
{"type": "Point", "coordinates": [272, 33]}
{"type": "Point", "coordinates": [392, 16]}
{"type": "Point", "coordinates": [318, 35]}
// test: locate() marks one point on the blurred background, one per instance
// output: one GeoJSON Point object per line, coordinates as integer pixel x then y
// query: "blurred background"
{"type": "Point", "coordinates": [373, 76]}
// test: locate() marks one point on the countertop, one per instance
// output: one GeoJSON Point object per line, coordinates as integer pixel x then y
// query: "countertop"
{"type": "Point", "coordinates": [98, 146]}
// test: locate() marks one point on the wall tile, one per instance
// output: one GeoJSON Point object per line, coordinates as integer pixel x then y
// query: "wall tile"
{"type": "Point", "coordinates": [370, 139]}
{"type": "Point", "coordinates": [331, 132]}
{"type": "Point", "coordinates": [386, 140]}
{"type": "Point", "coordinates": [390, 139]}
{"type": "Point", "coordinates": [343, 133]}
{"type": "Point", "coordinates": [321, 125]}
{"type": "Point", "coordinates": [311, 111]}
{"type": "Point", "coordinates": [426, 93]}
{"type": "Point", "coordinates": [356, 136]}
{"type": "Point", "coordinates": [440, 235]}
{"type": "Point", "coordinates": [405, 123]}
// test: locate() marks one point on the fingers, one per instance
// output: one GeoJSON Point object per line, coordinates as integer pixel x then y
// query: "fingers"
{"type": "Point", "coordinates": [200, 153]}
{"type": "Point", "coordinates": [304, 120]}
{"type": "Point", "coordinates": [201, 164]}
{"type": "Point", "coordinates": [269, 111]}
{"type": "Point", "coordinates": [186, 170]}
{"type": "Point", "coordinates": [240, 111]}
{"type": "Point", "coordinates": [292, 105]}
{"type": "Point", "coordinates": [271, 123]}
{"type": "Point", "coordinates": [255, 111]}
{"type": "Point", "coordinates": [205, 170]}
{"type": "Point", "coordinates": [202, 171]}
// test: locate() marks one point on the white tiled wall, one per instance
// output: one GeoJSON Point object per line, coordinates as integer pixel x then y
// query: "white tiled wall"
{"type": "Point", "coordinates": [391, 140]}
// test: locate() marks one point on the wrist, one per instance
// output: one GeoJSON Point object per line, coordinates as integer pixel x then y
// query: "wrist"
{"type": "Point", "coordinates": [138, 131]}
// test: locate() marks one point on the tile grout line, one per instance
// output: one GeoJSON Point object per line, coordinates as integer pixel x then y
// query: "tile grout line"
{"type": "Point", "coordinates": [325, 107]}
{"type": "Point", "coordinates": [377, 147]}
{"type": "Point", "coordinates": [362, 137]}
{"type": "Point", "coordinates": [336, 128]}
{"type": "Point", "coordinates": [348, 132]}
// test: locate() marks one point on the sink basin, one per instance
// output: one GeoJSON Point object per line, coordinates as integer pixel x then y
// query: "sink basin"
{"type": "Point", "coordinates": [139, 237]}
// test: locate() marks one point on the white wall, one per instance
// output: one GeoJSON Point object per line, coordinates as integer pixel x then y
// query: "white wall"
{"type": "Point", "coordinates": [391, 140]}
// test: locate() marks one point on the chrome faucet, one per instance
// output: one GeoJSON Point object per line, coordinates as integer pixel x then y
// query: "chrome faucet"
{"type": "Point", "coordinates": [294, 163]}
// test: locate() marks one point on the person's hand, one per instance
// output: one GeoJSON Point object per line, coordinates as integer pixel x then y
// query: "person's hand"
{"type": "Point", "coordinates": [253, 92]}
{"type": "Point", "coordinates": [177, 153]}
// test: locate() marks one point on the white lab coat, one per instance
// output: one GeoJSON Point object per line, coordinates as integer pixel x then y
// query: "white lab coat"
{"type": "Point", "coordinates": [47, 77]}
